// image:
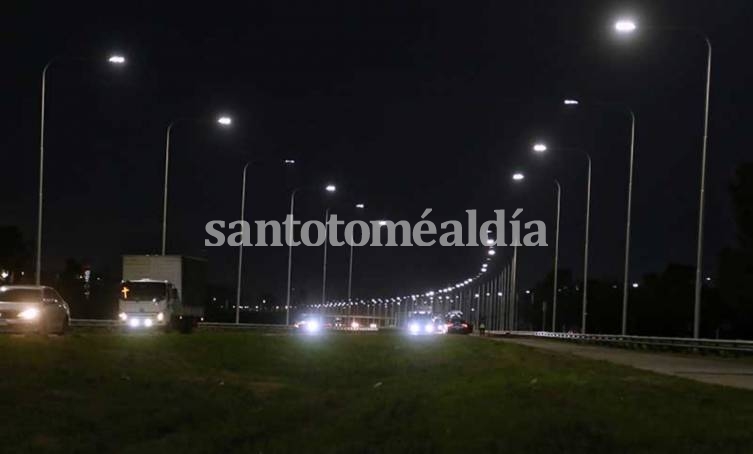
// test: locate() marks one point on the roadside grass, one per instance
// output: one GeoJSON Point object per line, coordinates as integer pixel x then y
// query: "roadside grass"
{"type": "Point", "coordinates": [270, 392]}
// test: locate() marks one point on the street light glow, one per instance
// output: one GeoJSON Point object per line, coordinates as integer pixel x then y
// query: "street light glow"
{"type": "Point", "coordinates": [539, 147]}
{"type": "Point", "coordinates": [382, 223]}
{"type": "Point", "coordinates": [330, 188]}
{"type": "Point", "coordinates": [289, 161]}
{"type": "Point", "coordinates": [360, 205]}
{"type": "Point", "coordinates": [225, 120]}
{"type": "Point", "coordinates": [518, 176]}
{"type": "Point", "coordinates": [571, 102]}
{"type": "Point", "coordinates": [116, 59]}
{"type": "Point", "coordinates": [624, 26]}
{"type": "Point", "coordinates": [635, 285]}
{"type": "Point", "coordinates": [492, 252]}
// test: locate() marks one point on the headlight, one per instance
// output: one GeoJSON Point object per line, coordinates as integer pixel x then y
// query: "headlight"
{"type": "Point", "coordinates": [413, 328]}
{"type": "Point", "coordinates": [123, 316]}
{"type": "Point", "coordinates": [312, 326]}
{"type": "Point", "coordinates": [429, 327]}
{"type": "Point", "coordinates": [160, 317]}
{"type": "Point", "coordinates": [29, 314]}
{"type": "Point", "coordinates": [148, 322]}
{"type": "Point", "coordinates": [355, 325]}
{"type": "Point", "coordinates": [134, 323]}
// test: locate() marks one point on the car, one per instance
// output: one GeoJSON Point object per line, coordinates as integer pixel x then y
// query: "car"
{"type": "Point", "coordinates": [455, 324]}
{"type": "Point", "coordinates": [421, 324]}
{"type": "Point", "coordinates": [33, 308]}
{"type": "Point", "coordinates": [309, 323]}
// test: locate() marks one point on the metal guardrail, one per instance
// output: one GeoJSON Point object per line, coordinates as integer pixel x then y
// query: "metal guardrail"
{"type": "Point", "coordinates": [97, 323]}
{"type": "Point", "coordinates": [677, 343]}
{"type": "Point", "coordinates": [91, 322]}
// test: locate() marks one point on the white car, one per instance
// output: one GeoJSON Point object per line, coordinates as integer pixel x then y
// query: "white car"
{"type": "Point", "coordinates": [33, 308]}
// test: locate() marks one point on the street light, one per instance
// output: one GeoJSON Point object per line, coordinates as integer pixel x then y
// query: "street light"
{"type": "Point", "coordinates": [222, 120]}
{"type": "Point", "coordinates": [584, 303]}
{"type": "Point", "coordinates": [117, 59]}
{"type": "Point", "coordinates": [359, 206]}
{"type": "Point", "coordinates": [518, 176]}
{"type": "Point", "coordinates": [114, 59]}
{"type": "Point", "coordinates": [539, 148]}
{"type": "Point", "coordinates": [558, 188]}
{"type": "Point", "coordinates": [628, 217]}
{"type": "Point", "coordinates": [625, 26]}
{"type": "Point", "coordinates": [328, 188]}
{"type": "Point", "coordinates": [628, 26]}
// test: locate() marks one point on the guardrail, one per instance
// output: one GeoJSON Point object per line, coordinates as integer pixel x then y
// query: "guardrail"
{"type": "Point", "coordinates": [670, 343]}
{"type": "Point", "coordinates": [97, 323]}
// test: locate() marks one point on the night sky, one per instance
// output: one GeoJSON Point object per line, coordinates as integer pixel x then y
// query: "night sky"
{"type": "Point", "coordinates": [403, 105]}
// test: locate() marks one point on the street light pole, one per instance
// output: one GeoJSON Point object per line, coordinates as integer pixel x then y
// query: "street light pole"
{"type": "Point", "coordinates": [290, 257]}
{"type": "Point", "coordinates": [324, 267]}
{"type": "Point", "coordinates": [626, 267]}
{"type": "Point", "coordinates": [164, 189]}
{"type": "Point", "coordinates": [626, 26]}
{"type": "Point", "coordinates": [556, 256]}
{"type": "Point", "coordinates": [701, 197]}
{"type": "Point", "coordinates": [40, 200]}
{"type": "Point", "coordinates": [114, 59]}
{"type": "Point", "coordinates": [514, 288]}
{"type": "Point", "coordinates": [585, 250]}
{"type": "Point", "coordinates": [240, 247]}
{"type": "Point", "coordinates": [223, 121]}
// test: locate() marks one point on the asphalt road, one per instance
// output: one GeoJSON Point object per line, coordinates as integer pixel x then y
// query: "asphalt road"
{"type": "Point", "coordinates": [719, 371]}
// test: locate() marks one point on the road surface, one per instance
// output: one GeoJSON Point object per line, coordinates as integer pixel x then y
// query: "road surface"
{"type": "Point", "coordinates": [719, 371]}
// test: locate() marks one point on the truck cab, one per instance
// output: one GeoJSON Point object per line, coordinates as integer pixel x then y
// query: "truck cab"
{"type": "Point", "coordinates": [147, 302]}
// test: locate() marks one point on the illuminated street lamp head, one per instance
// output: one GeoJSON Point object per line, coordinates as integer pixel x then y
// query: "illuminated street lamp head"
{"type": "Point", "coordinates": [382, 223]}
{"type": "Point", "coordinates": [360, 206]}
{"type": "Point", "coordinates": [624, 26]}
{"type": "Point", "coordinates": [289, 162]}
{"type": "Point", "coordinates": [116, 59]}
{"type": "Point", "coordinates": [635, 285]}
{"type": "Point", "coordinates": [330, 188]}
{"type": "Point", "coordinates": [518, 176]}
{"type": "Point", "coordinates": [539, 147]}
{"type": "Point", "coordinates": [570, 102]}
{"type": "Point", "coordinates": [492, 252]}
{"type": "Point", "coordinates": [225, 120]}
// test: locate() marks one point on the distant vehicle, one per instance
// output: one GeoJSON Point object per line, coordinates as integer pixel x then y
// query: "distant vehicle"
{"type": "Point", "coordinates": [162, 291]}
{"type": "Point", "coordinates": [33, 308]}
{"type": "Point", "coordinates": [310, 323]}
{"type": "Point", "coordinates": [456, 324]}
{"type": "Point", "coordinates": [422, 323]}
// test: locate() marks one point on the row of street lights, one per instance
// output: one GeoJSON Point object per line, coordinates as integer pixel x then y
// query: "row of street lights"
{"type": "Point", "coordinates": [628, 26]}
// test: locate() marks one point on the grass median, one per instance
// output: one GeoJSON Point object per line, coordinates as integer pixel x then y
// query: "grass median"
{"type": "Point", "coordinates": [276, 392]}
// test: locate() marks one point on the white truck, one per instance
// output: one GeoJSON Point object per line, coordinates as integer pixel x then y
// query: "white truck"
{"type": "Point", "coordinates": [166, 291]}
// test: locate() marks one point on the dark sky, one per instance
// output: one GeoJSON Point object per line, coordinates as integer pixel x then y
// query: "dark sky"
{"type": "Point", "coordinates": [405, 105]}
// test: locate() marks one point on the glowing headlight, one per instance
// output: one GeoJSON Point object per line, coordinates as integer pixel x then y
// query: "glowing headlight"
{"type": "Point", "coordinates": [312, 326]}
{"type": "Point", "coordinates": [29, 314]}
{"type": "Point", "coordinates": [134, 323]}
{"type": "Point", "coordinates": [123, 316]}
{"type": "Point", "coordinates": [373, 325]}
{"type": "Point", "coordinates": [429, 327]}
{"type": "Point", "coordinates": [413, 328]}
{"type": "Point", "coordinates": [355, 325]}
{"type": "Point", "coordinates": [160, 317]}
{"type": "Point", "coordinates": [148, 322]}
